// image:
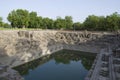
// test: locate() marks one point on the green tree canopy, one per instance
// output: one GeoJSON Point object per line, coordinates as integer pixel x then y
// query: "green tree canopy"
{"type": "Point", "coordinates": [39, 22]}
{"type": "Point", "coordinates": [1, 23]}
{"type": "Point", "coordinates": [77, 26]}
{"type": "Point", "coordinates": [60, 23]}
{"type": "Point", "coordinates": [69, 22]}
{"type": "Point", "coordinates": [33, 20]}
{"type": "Point", "coordinates": [22, 18]}
{"type": "Point", "coordinates": [48, 23]}
{"type": "Point", "coordinates": [91, 22]}
{"type": "Point", "coordinates": [112, 22]}
{"type": "Point", "coordinates": [19, 18]}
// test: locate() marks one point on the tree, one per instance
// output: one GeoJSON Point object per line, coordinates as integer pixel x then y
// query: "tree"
{"type": "Point", "coordinates": [60, 23]}
{"type": "Point", "coordinates": [19, 18]}
{"type": "Point", "coordinates": [6, 25]}
{"type": "Point", "coordinates": [22, 19]}
{"type": "Point", "coordinates": [77, 26]}
{"type": "Point", "coordinates": [112, 22]}
{"type": "Point", "coordinates": [101, 23]}
{"type": "Point", "coordinates": [32, 20]}
{"type": "Point", "coordinates": [91, 22]}
{"type": "Point", "coordinates": [51, 23]}
{"type": "Point", "coordinates": [1, 23]}
{"type": "Point", "coordinates": [35, 21]}
{"type": "Point", "coordinates": [109, 23]}
{"type": "Point", "coordinates": [69, 22]}
{"type": "Point", "coordinates": [48, 23]}
{"type": "Point", "coordinates": [39, 22]}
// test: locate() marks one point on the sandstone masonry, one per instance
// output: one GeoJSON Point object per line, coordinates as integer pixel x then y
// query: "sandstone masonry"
{"type": "Point", "coordinates": [18, 47]}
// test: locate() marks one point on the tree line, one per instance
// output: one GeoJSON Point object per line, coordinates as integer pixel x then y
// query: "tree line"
{"type": "Point", "coordinates": [3, 24]}
{"type": "Point", "coordinates": [24, 19]}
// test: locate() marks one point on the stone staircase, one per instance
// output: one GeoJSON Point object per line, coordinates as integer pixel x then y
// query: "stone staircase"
{"type": "Point", "coordinates": [106, 66]}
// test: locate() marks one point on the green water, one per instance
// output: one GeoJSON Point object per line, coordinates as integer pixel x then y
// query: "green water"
{"type": "Point", "coordinates": [63, 65]}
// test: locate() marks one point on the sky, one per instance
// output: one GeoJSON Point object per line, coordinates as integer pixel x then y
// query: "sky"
{"type": "Point", "coordinates": [78, 9]}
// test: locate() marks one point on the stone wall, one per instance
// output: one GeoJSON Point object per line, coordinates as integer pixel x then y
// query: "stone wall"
{"type": "Point", "coordinates": [19, 47]}
{"type": "Point", "coordinates": [7, 73]}
{"type": "Point", "coordinates": [88, 41]}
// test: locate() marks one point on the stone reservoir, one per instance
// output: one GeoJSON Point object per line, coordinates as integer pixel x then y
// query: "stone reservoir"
{"type": "Point", "coordinates": [18, 47]}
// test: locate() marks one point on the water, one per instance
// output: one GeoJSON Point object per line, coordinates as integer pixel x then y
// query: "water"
{"type": "Point", "coordinates": [63, 65]}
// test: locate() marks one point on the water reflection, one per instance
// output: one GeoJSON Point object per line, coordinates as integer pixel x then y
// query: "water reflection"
{"type": "Point", "coordinates": [61, 57]}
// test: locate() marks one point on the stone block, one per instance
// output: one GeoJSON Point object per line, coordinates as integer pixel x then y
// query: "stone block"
{"type": "Point", "coordinates": [4, 67]}
{"type": "Point", "coordinates": [1, 71]}
{"type": "Point", "coordinates": [3, 78]}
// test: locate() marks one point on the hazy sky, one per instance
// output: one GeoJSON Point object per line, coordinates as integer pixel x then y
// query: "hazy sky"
{"type": "Point", "coordinates": [78, 9]}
